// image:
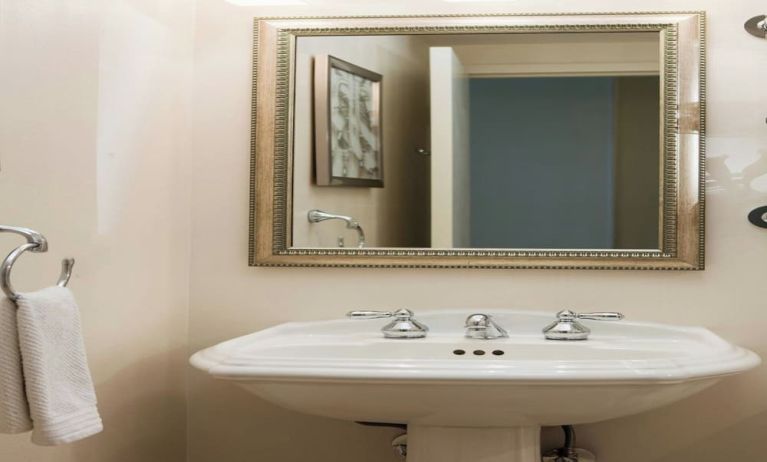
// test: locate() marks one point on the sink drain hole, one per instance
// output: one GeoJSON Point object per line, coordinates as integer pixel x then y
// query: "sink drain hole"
{"type": "Point", "coordinates": [460, 352]}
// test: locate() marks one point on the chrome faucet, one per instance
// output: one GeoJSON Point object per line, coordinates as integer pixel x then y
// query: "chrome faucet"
{"type": "Point", "coordinates": [567, 327]}
{"type": "Point", "coordinates": [482, 326]}
{"type": "Point", "coordinates": [404, 324]}
{"type": "Point", "coordinates": [316, 216]}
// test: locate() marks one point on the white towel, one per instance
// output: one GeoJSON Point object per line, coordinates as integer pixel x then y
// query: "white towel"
{"type": "Point", "coordinates": [14, 411]}
{"type": "Point", "coordinates": [59, 387]}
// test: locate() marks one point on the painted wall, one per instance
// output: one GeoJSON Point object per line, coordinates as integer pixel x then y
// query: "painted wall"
{"type": "Point", "coordinates": [542, 162]}
{"type": "Point", "coordinates": [637, 179]}
{"type": "Point", "coordinates": [396, 215]}
{"type": "Point", "coordinates": [726, 422]}
{"type": "Point", "coordinates": [92, 154]}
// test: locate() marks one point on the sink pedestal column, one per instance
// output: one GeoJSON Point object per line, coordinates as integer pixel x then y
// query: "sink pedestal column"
{"type": "Point", "coordinates": [465, 444]}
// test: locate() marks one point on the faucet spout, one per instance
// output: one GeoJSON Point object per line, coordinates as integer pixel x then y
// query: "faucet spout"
{"type": "Point", "coordinates": [316, 216]}
{"type": "Point", "coordinates": [484, 327]}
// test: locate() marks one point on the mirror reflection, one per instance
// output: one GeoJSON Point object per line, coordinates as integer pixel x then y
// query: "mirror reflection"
{"type": "Point", "coordinates": [515, 141]}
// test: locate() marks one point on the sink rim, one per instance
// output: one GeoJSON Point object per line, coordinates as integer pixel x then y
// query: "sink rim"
{"type": "Point", "coordinates": [718, 357]}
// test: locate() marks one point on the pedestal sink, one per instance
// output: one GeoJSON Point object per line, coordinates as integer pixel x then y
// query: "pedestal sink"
{"type": "Point", "coordinates": [474, 400]}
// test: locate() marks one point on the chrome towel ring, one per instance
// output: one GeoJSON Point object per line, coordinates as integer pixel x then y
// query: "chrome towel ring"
{"type": "Point", "coordinates": [36, 242]}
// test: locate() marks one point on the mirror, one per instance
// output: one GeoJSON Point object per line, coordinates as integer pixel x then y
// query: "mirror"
{"type": "Point", "coordinates": [537, 141]}
{"type": "Point", "coordinates": [509, 141]}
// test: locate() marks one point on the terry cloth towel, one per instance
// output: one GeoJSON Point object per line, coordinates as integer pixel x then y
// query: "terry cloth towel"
{"type": "Point", "coordinates": [14, 411]}
{"type": "Point", "coordinates": [59, 387]}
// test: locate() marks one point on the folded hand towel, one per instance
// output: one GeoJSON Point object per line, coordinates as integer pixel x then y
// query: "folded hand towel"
{"type": "Point", "coordinates": [59, 387]}
{"type": "Point", "coordinates": [14, 412]}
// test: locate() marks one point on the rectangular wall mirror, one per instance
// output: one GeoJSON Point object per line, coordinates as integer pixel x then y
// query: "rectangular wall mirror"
{"type": "Point", "coordinates": [535, 141]}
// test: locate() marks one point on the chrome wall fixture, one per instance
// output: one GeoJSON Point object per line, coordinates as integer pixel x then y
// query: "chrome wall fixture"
{"type": "Point", "coordinates": [757, 26]}
{"type": "Point", "coordinates": [758, 217]}
{"type": "Point", "coordinates": [316, 216]}
{"type": "Point", "coordinates": [36, 242]}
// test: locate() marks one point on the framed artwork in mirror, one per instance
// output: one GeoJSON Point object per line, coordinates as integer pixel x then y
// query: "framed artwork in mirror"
{"type": "Point", "coordinates": [348, 132]}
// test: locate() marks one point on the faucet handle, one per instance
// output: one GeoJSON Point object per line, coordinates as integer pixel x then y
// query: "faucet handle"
{"type": "Point", "coordinates": [567, 327]}
{"type": "Point", "coordinates": [404, 324]}
{"type": "Point", "coordinates": [371, 314]}
{"type": "Point", "coordinates": [601, 316]}
{"type": "Point", "coordinates": [569, 315]}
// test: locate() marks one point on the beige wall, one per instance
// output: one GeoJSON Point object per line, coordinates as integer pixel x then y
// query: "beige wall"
{"type": "Point", "coordinates": [228, 298]}
{"type": "Point", "coordinates": [392, 216]}
{"type": "Point", "coordinates": [92, 108]}
{"type": "Point", "coordinates": [93, 153]}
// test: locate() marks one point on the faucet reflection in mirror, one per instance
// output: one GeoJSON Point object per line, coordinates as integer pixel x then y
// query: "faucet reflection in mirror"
{"type": "Point", "coordinates": [316, 216]}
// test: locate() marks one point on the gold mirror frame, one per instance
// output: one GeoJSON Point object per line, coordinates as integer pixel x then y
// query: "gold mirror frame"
{"type": "Point", "coordinates": [683, 142]}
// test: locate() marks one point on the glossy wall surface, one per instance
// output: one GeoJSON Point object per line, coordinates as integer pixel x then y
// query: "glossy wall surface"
{"type": "Point", "coordinates": [727, 422]}
{"type": "Point", "coordinates": [92, 120]}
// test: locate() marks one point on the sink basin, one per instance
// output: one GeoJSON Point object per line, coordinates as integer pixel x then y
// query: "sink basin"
{"type": "Point", "coordinates": [466, 399]}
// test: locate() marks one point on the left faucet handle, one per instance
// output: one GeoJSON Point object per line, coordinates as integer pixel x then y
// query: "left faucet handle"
{"type": "Point", "coordinates": [404, 324]}
{"type": "Point", "coordinates": [369, 314]}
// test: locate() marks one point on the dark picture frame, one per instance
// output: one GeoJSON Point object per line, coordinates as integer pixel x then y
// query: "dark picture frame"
{"type": "Point", "coordinates": [348, 110]}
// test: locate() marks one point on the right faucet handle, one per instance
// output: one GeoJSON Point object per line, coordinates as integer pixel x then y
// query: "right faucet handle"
{"type": "Point", "coordinates": [599, 316]}
{"type": "Point", "coordinates": [567, 327]}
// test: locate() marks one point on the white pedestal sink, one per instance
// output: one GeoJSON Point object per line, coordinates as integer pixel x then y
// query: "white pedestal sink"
{"type": "Point", "coordinates": [486, 404]}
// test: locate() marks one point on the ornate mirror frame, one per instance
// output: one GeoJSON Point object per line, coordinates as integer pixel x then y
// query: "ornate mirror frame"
{"type": "Point", "coordinates": [682, 124]}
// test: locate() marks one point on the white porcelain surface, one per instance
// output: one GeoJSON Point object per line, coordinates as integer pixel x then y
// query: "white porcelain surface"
{"type": "Point", "coordinates": [345, 369]}
{"type": "Point", "coordinates": [451, 444]}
